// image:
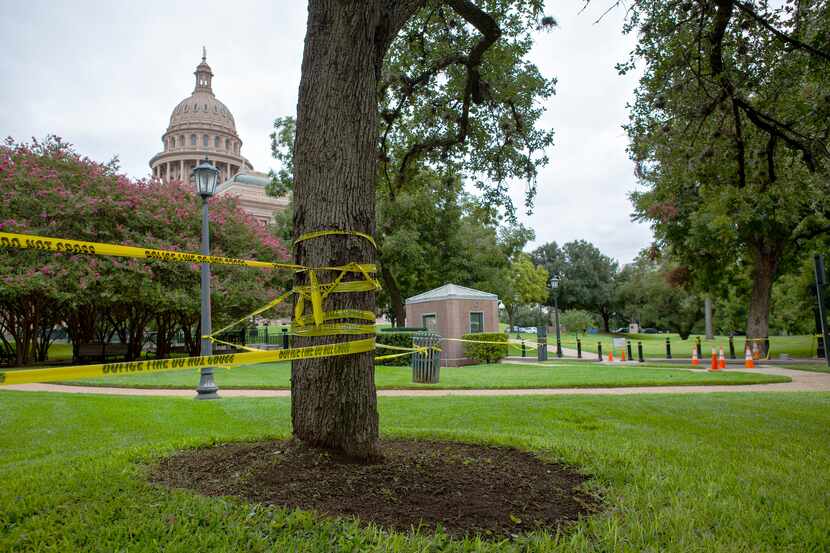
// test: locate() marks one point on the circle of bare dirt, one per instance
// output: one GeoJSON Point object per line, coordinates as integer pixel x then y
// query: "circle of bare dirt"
{"type": "Point", "coordinates": [465, 489]}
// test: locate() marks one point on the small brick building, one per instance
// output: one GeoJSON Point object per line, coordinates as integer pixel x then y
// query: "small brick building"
{"type": "Point", "coordinates": [453, 311]}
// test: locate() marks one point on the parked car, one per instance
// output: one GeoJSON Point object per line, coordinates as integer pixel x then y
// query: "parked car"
{"type": "Point", "coordinates": [649, 330]}
{"type": "Point", "coordinates": [621, 330]}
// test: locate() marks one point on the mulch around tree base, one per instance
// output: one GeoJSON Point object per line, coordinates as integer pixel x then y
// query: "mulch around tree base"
{"type": "Point", "coordinates": [466, 489]}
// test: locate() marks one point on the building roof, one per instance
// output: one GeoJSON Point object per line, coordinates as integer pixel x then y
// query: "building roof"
{"type": "Point", "coordinates": [202, 110]}
{"type": "Point", "coordinates": [451, 292]}
{"type": "Point", "coordinates": [249, 178]}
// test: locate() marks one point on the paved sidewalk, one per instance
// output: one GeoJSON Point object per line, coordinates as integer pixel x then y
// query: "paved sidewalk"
{"type": "Point", "coordinates": [802, 381]}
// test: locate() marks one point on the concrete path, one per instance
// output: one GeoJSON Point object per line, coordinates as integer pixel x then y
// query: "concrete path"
{"type": "Point", "coordinates": [802, 381]}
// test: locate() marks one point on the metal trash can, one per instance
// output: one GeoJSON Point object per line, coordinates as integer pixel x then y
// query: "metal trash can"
{"type": "Point", "coordinates": [426, 366]}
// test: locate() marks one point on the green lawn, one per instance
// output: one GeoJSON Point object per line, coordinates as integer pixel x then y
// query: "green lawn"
{"type": "Point", "coordinates": [719, 472]}
{"type": "Point", "coordinates": [820, 367]}
{"type": "Point", "coordinates": [564, 375]}
{"type": "Point", "coordinates": [654, 345]}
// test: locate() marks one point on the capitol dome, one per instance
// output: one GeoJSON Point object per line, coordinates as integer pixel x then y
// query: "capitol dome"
{"type": "Point", "coordinates": [200, 126]}
{"type": "Point", "coordinates": [202, 108]}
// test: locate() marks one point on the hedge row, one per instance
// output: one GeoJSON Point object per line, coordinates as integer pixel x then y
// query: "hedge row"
{"type": "Point", "coordinates": [487, 352]}
{"type": "Point", "coordinates": [400, 339]}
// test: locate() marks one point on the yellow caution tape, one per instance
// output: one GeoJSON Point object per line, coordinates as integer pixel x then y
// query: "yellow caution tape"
{"type": "Point", "coordinates": [319, 233]}
{"type": "Point", "coordinates": [332, 329]}
{"type": "Point", "coordinates": [262, 309]}
{"type": "Point", "coordinates": [315, 291]}
{"type": "Point", "coordinates": [479, 341]}
{"type": "Point", "coordinates": [238, 346]}
{"type": "Point", "coordinates": [26, 376]}
{"type": "Point", "coordinates": [60, 245]}
{"type": "Point", "coordinates": [407, 351]}
{"type": "Point", "coordinates": [393, 355]}
{"type": "Point", "coordinates": [339, 314]}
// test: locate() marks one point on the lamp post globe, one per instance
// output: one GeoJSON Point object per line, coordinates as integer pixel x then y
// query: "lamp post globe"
{"type": "Point", "coordinates": [206, 175]}
{"type": "Point", "coordinates": [554, 284]}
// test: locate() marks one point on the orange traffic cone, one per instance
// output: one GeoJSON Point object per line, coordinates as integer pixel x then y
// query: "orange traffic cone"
{"type": "Point", "coordinates": [714, 365]}
{"type": "Point", "coordinates": [622, 355]}
{"type": "Point", "coordinates": [749, 362]}
{"type": "Point", "coordinates": [611, 356]}
{"type": "Point", "coordinates": [695, 360]}
{"type": "Point", "coordinates": [721, 359]}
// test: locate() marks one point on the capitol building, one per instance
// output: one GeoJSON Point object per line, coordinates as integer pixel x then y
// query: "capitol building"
{"type": "Point", "coordinates": [202, 126]}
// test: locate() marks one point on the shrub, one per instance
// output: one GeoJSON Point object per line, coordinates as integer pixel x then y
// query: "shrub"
{"type": "Point", "coordinates": [400, 339]}
{"type": "Point", "coordinates": [576, 320]}
{"type": "Point", "coordinates": [487, 352]}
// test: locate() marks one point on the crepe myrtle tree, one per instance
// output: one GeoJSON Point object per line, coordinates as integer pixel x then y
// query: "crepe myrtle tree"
{"type": "Point", "coordinates": [50, 190]}
{"type": "Point", "coordinates": [344, 82]}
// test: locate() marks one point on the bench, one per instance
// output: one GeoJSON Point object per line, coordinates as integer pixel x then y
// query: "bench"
{"type": "Point", "coordinates": [99, 351]}
{"type": "Point", "coordinates": [7, 357]}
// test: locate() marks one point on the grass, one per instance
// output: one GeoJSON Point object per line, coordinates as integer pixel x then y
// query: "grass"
{"type": "Point", "coordinates": [714, 472]}
{"type": "Point", "coordinates": [820, 367]}
{"type": "Point", "coordinates": [561, 375]}
{"type": "Point", "coordinates": [654, 345]}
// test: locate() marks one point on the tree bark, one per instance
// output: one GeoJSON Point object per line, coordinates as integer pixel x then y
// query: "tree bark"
{"type": "Point", "coordinates": [707, 316]}
{"type": "Point", "coordinates": [394, 291]}
{"type": "Point", "coordinates": [605, 313]}
{"type": "Point", "coordinates": [334, 402]}
{"type": "Point", "coordinates": [764, 272]}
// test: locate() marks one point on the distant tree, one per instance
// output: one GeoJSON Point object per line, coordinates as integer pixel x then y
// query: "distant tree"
{"type": "Point", "coordinates": [525, 283]}
{"type": "Point", "coordinates": [552, 258]}
{"type": "Point", "coordinates": [729, 130]}
{"type": "Point", "coordinates": [653, 293]}
{"type": "Point", "coordinates": [587, 280]}
{"type": "Point", "coordinates": [794, 301]}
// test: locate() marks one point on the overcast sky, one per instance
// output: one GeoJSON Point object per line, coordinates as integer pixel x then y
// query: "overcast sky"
{"type": "Point", "coordinates": [106, 75]}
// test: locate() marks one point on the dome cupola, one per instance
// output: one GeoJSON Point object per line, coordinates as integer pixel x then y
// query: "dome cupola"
{"type": "Point", "coordinates": [203, 75]}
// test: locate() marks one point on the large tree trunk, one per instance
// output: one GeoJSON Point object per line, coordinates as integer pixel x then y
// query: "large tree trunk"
{"type": "Point", "coordinates": [334, 402]}
{"type": "Point", "coordinates": [765, 261]}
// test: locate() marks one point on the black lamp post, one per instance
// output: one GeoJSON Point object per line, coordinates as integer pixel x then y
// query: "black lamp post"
{"type": "Point", "coordinates": [206, 176]}
{"type": "Point", "coordinates": [554, 284]}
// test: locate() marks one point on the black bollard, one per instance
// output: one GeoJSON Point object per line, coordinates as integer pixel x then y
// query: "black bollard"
{"type": "Point", "coordinates": [628, 347]}
{"type": "Point", "coordinates": [640, 352]}
{"type": "Point", "coordinates": [599, 351]}
{"type": "Point", "coordinates": [541, 343]}
{"type": "Point", "coordinates": [668, 348]}
{"type": "Point", "coordinates": [578, 348]}
{"type": "Point", "coordinates": [731, 347]}
{"type": "Point", "coordinates": [284, 338]}
{"type": "Point", "coordinates": [699, 348]}
{"type": "Point", "coordinates": [524, 350]}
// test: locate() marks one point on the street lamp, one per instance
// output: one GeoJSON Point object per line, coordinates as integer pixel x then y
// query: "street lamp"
{"type": "Point", "coordinates": [206, 175]}
{"type": "Point", "coordinates": [554, 284]}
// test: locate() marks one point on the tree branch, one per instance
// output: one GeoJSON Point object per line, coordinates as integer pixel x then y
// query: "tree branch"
{"type": "Point", "coordinates": [794, 42]}
{"type": "Point", "coordinates": [490, 32]}
{"type": "Point", "coordinates": [740, 150]}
